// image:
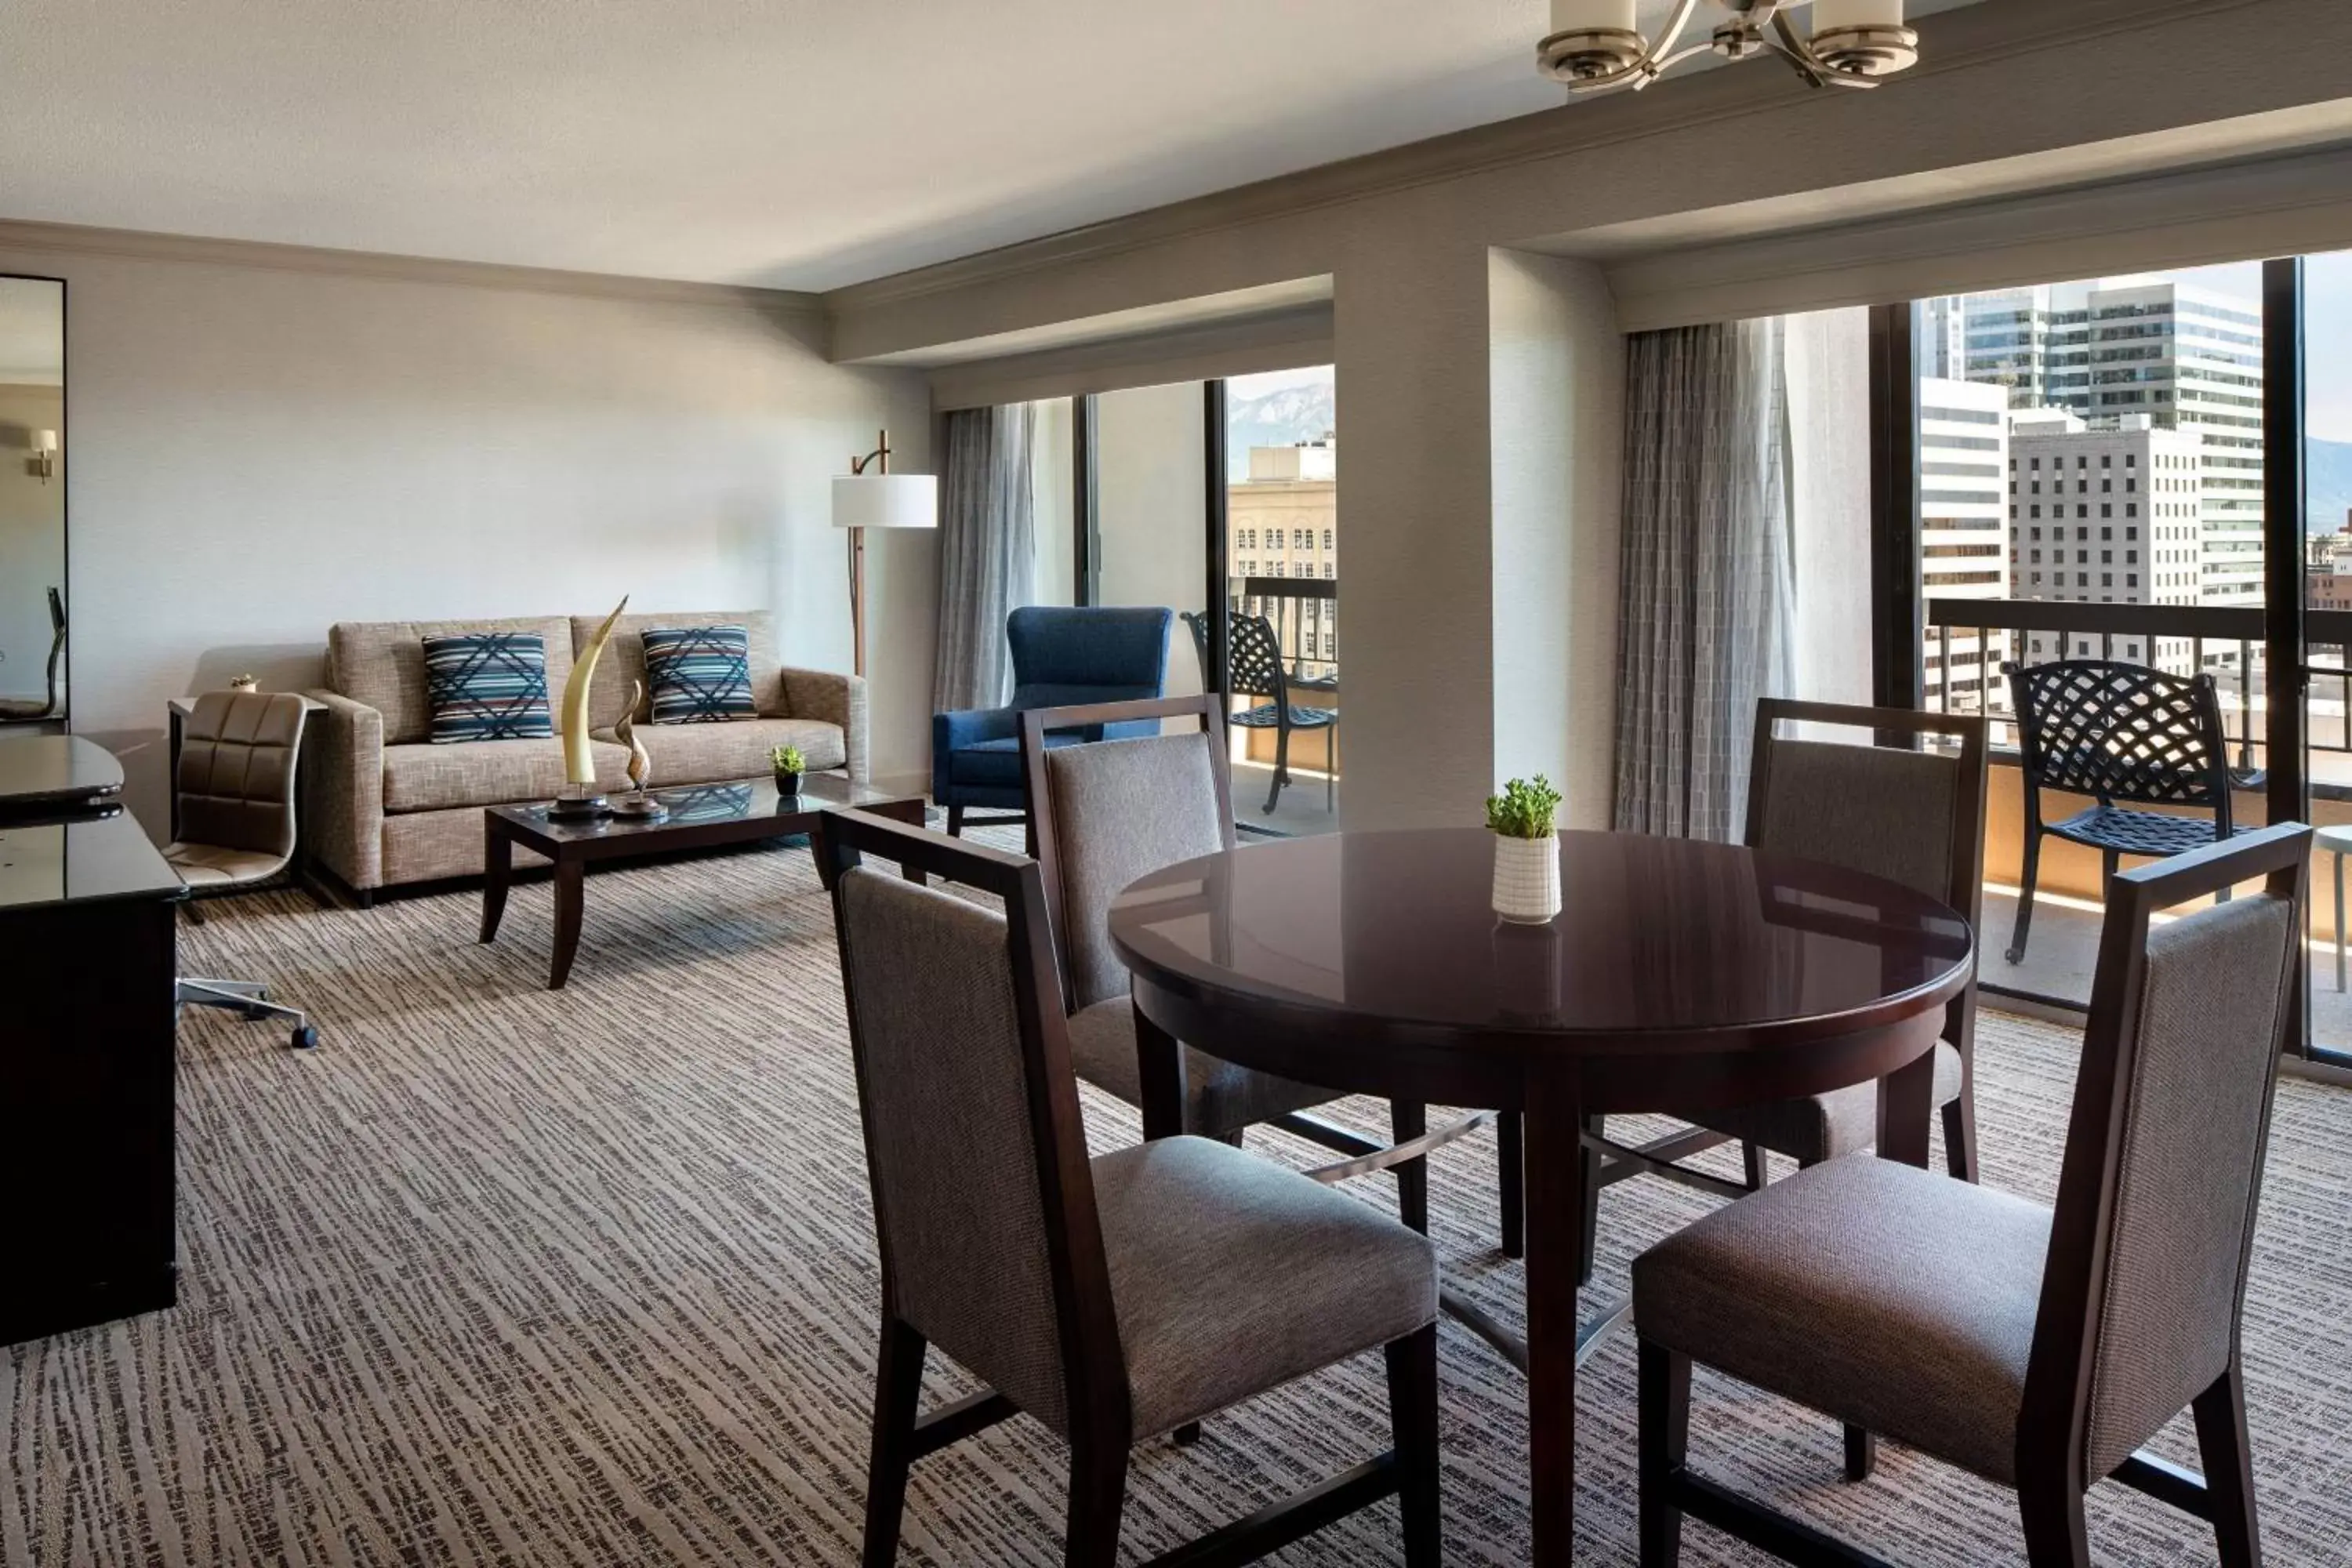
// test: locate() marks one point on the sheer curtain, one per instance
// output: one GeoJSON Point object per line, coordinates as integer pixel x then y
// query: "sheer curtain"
{"type": "Point", "coordinates": [1706, 628]}
{"type": "Point", "coordinates": [987, 551]}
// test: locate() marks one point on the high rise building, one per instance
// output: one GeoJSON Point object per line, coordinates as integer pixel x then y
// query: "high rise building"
{"type": "Point", "coordinates": [2105, 515]}
{"type": "Point", "coordinates": [1963, 466]}
{"type": "Point", "coordinates": [1283, 523]}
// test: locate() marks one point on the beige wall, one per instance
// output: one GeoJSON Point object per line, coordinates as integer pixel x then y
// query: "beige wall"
{"type": "Point", "coordinates": [1153, 486]}
{"type": "Point", "coordinates": [32, 537]}
{"type": "Point", "coordinates": [260, 450]}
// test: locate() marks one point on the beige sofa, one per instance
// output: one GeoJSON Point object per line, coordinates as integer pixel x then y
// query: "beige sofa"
{"type": "Point", "coordinates": [385, 807]}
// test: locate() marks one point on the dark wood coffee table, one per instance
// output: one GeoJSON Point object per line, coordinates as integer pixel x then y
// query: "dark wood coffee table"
{"type": "Point", "coordinates": [702, 816]}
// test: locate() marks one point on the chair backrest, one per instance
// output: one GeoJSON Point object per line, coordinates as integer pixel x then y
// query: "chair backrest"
{"type": "Point", "coordinates": [56, 646]}
{"type": "Point", "coordinates": [1089, 654]}
{"type": "Point", "coordinates": [2146, 1272]}
{"type": "Point", "coordinates": [1103, 814]}
{"type": "Point", "coordinates": [1198, 621]}
{"type": "Point", "coordinates": [1912, 816]}
{"type": "Point", "coordinates": [2121, 732]}
{"type": "Point", "coordinates": [1254, 660]}
{"type": "Point", "coordinates": [984, 1199]}
{"type": "Point", "coordinates": [235, 784]}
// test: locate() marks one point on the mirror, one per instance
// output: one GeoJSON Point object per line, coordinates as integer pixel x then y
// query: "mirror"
{"type": "Point", "coordinates": [33, 501]}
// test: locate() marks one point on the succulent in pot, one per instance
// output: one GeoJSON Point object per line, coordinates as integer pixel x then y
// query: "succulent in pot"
{"type": "Point", "coordinates": [1526, 849]}
{"type": "Point", "coordinates": [789, 765]}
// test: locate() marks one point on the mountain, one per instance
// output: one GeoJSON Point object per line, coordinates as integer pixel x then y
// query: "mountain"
{"type": "Point", "coordinates": [1282, 417]}
{"type": "Point", "coordinates": [2328, 481]}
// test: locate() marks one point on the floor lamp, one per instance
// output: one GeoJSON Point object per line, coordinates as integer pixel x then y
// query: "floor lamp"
{"type": "Point", "coordinates": [877, 498]}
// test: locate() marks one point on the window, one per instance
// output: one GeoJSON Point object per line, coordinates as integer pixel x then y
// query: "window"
{"type": "Point", "coordinates": [1327, 539]}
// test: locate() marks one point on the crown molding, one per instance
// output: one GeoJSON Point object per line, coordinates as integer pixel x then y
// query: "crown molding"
{"type": "Point", "coordinates": [26, 238]}
{"type": "Point", "coordinates": [1965, 40]}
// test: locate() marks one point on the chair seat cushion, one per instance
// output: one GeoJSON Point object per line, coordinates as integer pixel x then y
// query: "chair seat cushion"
{"type": "Point", "coordinates": [426, 777]}
{"type": "Point", "coordinates": [1219, 1097]}
{"type": "Point", "coordinates": [1233, 1275]}
{"type": "Point", "coordinates": [2139, 832]}
{"type": "Point", "coordinates": [997, 763]}
{"type": "Point", "coordinates": [1882, 1295]}
{"type": "Point", "coordinates": [737, 748]}
{"type": "Point", "coordinates": [218, 866]}
{"type": "Point", "coordinates": [1827, 1126]}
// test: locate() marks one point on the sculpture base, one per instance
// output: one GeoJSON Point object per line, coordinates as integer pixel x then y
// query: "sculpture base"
{"type": "Point", "coordinates": [578, 808]}
{"type": "Point", "coordinates": [639, 807]}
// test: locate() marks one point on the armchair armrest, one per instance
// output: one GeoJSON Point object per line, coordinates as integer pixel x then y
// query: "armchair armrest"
{"type": "Point", "coordinates": [343, 789]}
{"type": "Point", "coordinates": [951, 732]}
{"type": "Point", "coordinates": [835, 698]}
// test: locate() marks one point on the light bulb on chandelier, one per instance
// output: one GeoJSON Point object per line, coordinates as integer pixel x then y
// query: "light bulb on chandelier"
{"type": "Point", "coordinates": [1598, 45]}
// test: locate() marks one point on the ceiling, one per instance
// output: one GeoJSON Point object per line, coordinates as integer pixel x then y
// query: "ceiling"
{"type": "Point", "coordinates": [785, 143]}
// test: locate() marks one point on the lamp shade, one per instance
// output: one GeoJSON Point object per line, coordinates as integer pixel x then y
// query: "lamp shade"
{"type": "Point", "coordinates": [45, 440]}
{"type": "Point", "coordinates": [1576, 15]}
{"type": "Point", "coordinates": [1835, 15]}
{"type": "Point", "coordinates": [885, 500]}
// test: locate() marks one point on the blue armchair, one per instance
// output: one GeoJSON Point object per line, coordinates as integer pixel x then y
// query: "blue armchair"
{"type": "Point", "coordinates": [1061, 658]}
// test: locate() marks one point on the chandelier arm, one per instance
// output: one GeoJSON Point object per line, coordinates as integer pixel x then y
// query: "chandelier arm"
{"type": "Point", "coordinates": [1797, 52]}
{"type": "Point", "coordinates": [1672, 30]}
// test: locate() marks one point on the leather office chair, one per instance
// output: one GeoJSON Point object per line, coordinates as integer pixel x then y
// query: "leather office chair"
{"type": "Point", "coordinates": [236, 791]}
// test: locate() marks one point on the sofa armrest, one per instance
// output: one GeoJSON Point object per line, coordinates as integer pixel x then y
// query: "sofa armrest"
{"type": "Point", "coordinates": [835, 698]}
{"type": "Point", "coordinates": [343, 789]}
{"type": "Point", "coordinates": [952, 732]}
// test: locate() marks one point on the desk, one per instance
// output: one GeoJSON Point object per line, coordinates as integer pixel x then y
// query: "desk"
{"type": "Point", "coordinates": [1681, 977]}
{"type": "Point", "coordinates": [86, 911]}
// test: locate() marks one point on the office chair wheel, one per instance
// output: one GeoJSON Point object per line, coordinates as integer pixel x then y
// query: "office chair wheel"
{"type": "Point", "coordinates": [305, 1039]}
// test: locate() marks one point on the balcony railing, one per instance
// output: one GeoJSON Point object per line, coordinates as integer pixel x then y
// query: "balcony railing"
{"type": "Point", "coordinates": [1305, 611]}
{"type": "Point", "coordinates": [2226, 641]}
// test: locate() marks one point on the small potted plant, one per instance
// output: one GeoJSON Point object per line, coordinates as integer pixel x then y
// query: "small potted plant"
{"type": "Point", "coordinates": [790, 765]}
{"type": "Point", "coordinates": [1526, 850]}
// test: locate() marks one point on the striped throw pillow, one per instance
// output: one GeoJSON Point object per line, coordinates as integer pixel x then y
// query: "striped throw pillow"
{"type": "Point", "coordinates": [487, 686]}
{"type": "Point", "coordinates": [700, 675]}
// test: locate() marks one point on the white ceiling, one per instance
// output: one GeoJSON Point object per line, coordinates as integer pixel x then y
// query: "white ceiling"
{"type": "Point", "coordinates": [790, 143]}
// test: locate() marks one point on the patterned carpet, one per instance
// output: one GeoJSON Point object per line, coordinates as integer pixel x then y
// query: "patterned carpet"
{"type": "Point", "coordinates": [502, 1277]}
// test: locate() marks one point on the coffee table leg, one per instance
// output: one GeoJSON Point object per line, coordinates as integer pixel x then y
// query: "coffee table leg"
{"type": "Point", "coordinates": [1906, 1104]}
{"type": "Point", "coordinates": [1555, 1232]}
{"type": "Point", "coordinates": [913, 814]}
{"type": "Point", "coordinates": [569, 894]}
{"type": "Point", "coordinates": [498, 872]}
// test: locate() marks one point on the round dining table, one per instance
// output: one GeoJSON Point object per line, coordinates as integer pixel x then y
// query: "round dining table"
{"type": "Point", "coordinates": [1679, 977]}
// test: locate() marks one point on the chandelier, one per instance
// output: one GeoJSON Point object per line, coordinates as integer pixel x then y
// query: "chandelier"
{"type": "Point", "coordinates": [1598, 45]}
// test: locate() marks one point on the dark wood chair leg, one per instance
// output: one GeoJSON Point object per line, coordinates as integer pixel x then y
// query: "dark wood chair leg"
{"type": "Point", "coordinates": [1409, 1120]}
{"type": "Point", "coordinates": [1861, 1453]}
{"type": "Point", "coordinates": [2221, 1444]}
{"type": "Point", "coordinates": [1961, 1136]}
{"type": "Point", "coordinates": [2024, 926]}
{"type": "Point", "coordinates": [1756, 1163]}
{"type": "Point", "coordinates": [1413, 1421]}
{"type": "Point", "coordinates": [2055, 1536]}
{"type": "Point", "coordinates": [1098, 1493]}
{"type": "Point", "coordinates": [1186, 1436]}
{"type": "Point", "coordinates": [897, 1390]}
{"type": "Point", "coordinates": [1511, 1173]}
{"type": "Point", "coordinates": [1665, 1379]}
{"type": "Point", "coordinates": [955, 822]}
{"type": "Point", "coordinates": [195, 912]}
{"type": "Point", "coordinates": [1588, 1241]}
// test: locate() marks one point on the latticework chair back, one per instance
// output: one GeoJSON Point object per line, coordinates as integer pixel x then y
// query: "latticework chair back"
{"type": "Point", "coordinates": [2121, 732]}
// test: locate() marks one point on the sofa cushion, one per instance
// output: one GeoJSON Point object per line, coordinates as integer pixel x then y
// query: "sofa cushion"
{"type": "Point", "coordinates": [699, 675]}
{"type": "Point", "coordinates": [425, 777]}
{"type": "Point", "coordinates": [625, 660]}
{"type": "Point", "coordinates": [706, 754]}
{"type": "Point", "coordinates": [487, 686]}
{"type": "Point", "coordinates": [380, 665]}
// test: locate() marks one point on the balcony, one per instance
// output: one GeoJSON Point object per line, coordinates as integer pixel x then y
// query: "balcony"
{"type": "Point", "coordinates": [2223, 641]}
{"type": "Point", "coordinates": [1304, 612]}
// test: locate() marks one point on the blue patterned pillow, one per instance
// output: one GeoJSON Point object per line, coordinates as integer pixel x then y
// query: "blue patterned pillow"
{"type": "Point", "coordinates": [700, 675]}
{"type": "Point", "coordinates": [487, 686]}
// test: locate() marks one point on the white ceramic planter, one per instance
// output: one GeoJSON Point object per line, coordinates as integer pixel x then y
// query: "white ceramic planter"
{"type": "Point", "coordinates": [1527, 878]}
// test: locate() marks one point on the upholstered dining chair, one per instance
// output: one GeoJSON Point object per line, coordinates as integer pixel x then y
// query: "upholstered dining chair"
{"type": "Point", "coordinates": [2038, 1348]}
{"type": "Point", "coordinates": [22, 708]}
{"type": "Point", "coordinates": [1106, 813]}
{"type": "Point", "coordinates": [1111, 1299]}
{"type": "Point", "coordinates": [235, 786]}
{"type": "Point", "coordinates": [1912, 816]}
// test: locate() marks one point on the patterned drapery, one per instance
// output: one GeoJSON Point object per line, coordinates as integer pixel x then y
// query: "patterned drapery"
{"type": "Point", "coordinates": [1706, 626]}
{"type": "Point", "coordinates": [987, 552]}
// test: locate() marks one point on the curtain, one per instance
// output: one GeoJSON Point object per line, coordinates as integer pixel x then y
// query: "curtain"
{"type": "Point", "coordinates": [987, 551]}
{"type": "Point", "coordinates": [1706, 628]}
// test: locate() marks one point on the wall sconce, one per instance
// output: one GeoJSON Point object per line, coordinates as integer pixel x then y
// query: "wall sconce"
{"type": "Point", "coordinates": [43, 465]}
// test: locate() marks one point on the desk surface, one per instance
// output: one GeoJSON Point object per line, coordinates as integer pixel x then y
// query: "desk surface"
{"type": "Point", "coordinates": [52, 863]}
{"type": "Point", "coordinates": [55, 767]}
